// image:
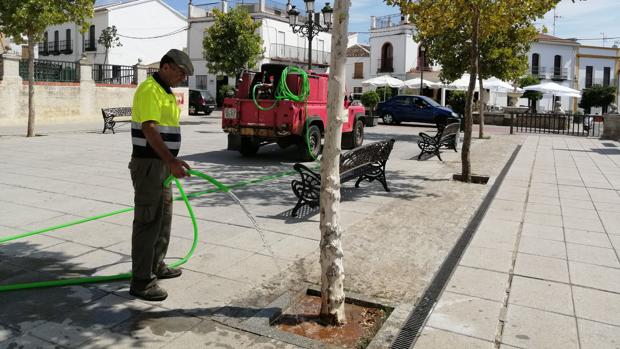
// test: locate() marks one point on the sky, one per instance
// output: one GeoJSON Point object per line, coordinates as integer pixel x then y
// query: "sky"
{"type": "Point", "coordinates": [583, 19]}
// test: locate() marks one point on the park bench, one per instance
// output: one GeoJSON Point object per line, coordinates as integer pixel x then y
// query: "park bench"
{"type": "Point", "coordinates": [446, 136]}
{"type": "Point", "coordinates": [366, 162]}
{"type": "Point", "coordinates": [113, 115]}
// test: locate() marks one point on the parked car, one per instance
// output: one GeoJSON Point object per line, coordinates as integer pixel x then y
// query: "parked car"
{"type": "Point", "coordinates": [404, 108]}
{"type": "Point", "coordinates": [201, 101]}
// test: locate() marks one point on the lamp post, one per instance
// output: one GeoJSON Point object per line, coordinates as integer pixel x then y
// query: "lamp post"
{"type": "Point", "coordinates": [312, 26]}
{"type": "Point", "coordinates": [422, 52]}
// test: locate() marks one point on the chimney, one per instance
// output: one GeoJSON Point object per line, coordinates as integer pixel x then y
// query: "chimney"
{"type": "Point", "coordinates": [373, 22]}
{"type": "Point", "coordinates": [224, 6]}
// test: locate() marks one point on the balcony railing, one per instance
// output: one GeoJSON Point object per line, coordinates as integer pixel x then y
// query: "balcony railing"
{"type": "Point", "coordinates": [385, 66]}
{"type": "Point", "coordinates": [298, 54]}
{"type": "Point", "coordinates": [603, 82]}
{"type": "Point", "coordinates": [45, 70]}
{"type": "Point", "coordinates": [252, 6]}
{"type": "Point", "coordinates": [540, 72]}
{"type": "Point", "coordinates": [90, 45]}
{"type": "Point", "coordinates": [55, 47]}
{"type": "Point", "coordinates": [560, 74]}
{"type": "Point", "coordinates": [114, 74]}
{"type": "Point", "coordinates": [389, 21]}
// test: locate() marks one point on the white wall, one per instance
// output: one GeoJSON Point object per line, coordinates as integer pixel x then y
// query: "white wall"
{"type": "Point", "coordinates": [402, 43]}
{"type": "Point", "coordinates": [547, 52]}
{"type": "Point", "coordinates": [147, 19]}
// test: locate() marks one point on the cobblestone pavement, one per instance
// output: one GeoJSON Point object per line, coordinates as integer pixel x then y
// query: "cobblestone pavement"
{"type": "Point", "coordinates": [394, 242]}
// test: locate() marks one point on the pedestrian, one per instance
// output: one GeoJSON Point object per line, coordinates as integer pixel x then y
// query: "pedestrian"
{"type": "Point", "coordinates": [156, 139]}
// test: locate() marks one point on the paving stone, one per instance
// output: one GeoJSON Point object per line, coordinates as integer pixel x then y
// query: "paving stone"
{"type": "Point", "coordinates": [479, 283]}
{"type": "Point", "coordinates": [577, 204]}
{"type": "Point", "coordinates": [595, 335]}
{"type": "Point", "coordinates": [541, 267]}
{"type": "Point", "coordinates": [466, 315]}
{"type": "Point", "coordinates": [589, 238]}
{"type": "Point", "coordinates": [544, 209]}
{"type": "Point", "coordinates": [543, 231]}
{"type": "Point", "coordinates": [208, 334]}
{"type": "Point", "coordinates": [541, 294]}
{"type": "Point", "coordinates": [593, 255]}
{"type": "Point", "coordinates": [542, 247]}
{"type": "Point", "coordinates": [487, 258]}
{"type": "Point", "coordinates": [502, 239]}
{"type": "Point", "coordinates": [597, 305]}
{"type": "Point", "coordinates": [542, 219]}
{"type": "Point", "coordinates": [432, 338]}
{"type": "Point", "coordinates": [533, 328]}
{"type": "Point", "coordinates": [594, 276]}
{"type": "Point", "coordinates": [576, 222]}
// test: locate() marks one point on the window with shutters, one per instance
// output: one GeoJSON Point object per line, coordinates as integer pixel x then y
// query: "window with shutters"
{"type": "Point", "coordinates": [358, 73]}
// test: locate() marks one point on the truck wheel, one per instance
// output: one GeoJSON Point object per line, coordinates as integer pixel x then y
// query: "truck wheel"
{"type": "Point", "coordinates": [312, 145]}
{"type": "Point", "coordinates": [355, 138]}
{"type": "Point", "coordinates": [249, 146]}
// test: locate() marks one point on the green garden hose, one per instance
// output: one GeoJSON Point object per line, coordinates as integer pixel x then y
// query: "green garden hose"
{"type": "Point", "coordinates": [283, 92]}
{"type": "Point", "coordinates": [93, 279]}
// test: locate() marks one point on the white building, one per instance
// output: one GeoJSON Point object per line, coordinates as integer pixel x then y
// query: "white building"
{"type": "Point", "coordinates": [357, 68]}
{"type": "Point", "coordinates": [280, 44]}
{"type": "Point", "coordinates": [147, 30]}
{"type": "Point", "coordinates": [598, 66]}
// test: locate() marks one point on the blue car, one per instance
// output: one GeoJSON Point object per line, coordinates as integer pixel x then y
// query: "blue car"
{"type": "Point", "coordinates": [405, 108]}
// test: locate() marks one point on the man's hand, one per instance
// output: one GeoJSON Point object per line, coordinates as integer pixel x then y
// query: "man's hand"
{"type": "Point", "coordinates": [178, 167]}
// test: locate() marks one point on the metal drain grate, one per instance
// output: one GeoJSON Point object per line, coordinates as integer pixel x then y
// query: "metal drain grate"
{"type": "Point", "coordinates": [413, 325]}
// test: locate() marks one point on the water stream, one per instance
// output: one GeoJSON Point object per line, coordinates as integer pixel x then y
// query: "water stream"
{"type": "Point", "coordinates": [257, 228]}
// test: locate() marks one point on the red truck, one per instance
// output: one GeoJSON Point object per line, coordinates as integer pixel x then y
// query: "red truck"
{"type": "Point", "coordinates": [257, 115]}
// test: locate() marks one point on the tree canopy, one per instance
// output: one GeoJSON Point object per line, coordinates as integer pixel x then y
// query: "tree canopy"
{"type": "Point", "coordinates": [23, 19]}
{"type": "Point", "coordinates": [597, 96]}
{"type": "Point", "coordinates": [456, 32]}
{"type": "Point", "coordinates": [231, 43]}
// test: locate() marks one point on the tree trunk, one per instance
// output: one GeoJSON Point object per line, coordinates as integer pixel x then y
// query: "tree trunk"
{"type": "Point", "coordinates": [481, 107]}
{"type": "Point", "coordinates": [31, 41]}
{"type": "Point", "coordinates": [469, 101]}
{"type": "Point", "coordinates": [332, 268]}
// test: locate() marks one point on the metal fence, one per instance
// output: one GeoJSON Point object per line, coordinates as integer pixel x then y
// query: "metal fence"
{"type": "Point", "coordinates": [564, 124]}
{"type": "Point", "coordinates": [114, 74]}
{"type": "Point", "coordinates": [55, 71]}
{"type": "Point", "coordinates": [297, 54]}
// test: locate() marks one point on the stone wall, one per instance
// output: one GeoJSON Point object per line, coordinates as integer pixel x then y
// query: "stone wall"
{"type": "Point", "coordinates": [58, 102]}
{"type": "Point", "coordinates": [611, 127]}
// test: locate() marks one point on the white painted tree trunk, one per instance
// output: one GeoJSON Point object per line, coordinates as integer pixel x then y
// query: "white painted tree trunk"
{"type": "Point", "coordinates": [332, 267]}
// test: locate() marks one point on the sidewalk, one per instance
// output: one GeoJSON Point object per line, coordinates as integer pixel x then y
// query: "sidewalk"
{"type": "Point", "coordinates": [542, 271]}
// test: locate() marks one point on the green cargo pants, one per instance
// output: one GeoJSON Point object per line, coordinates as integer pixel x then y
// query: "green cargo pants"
{"type": "Point", "coordinates": [152, 220]}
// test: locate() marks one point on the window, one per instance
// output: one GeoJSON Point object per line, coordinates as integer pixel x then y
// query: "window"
{"type": "Point", "coordinates": [357, 90]}
{"type": "Point", "coordinates": [557, 65]}
{"type": "Point", "coordinates": [90, 45]}
{"type": "Point", "coordinates": [56, 41]}
{"type": "Point", "coordinates": [402, 100]}
{"type": "Point", "coordinates": [45, 42]}
{"type": "Point", "coordinates": [606, 76]}
{"type": "Point", "coordinates": [535, 64]}
{"type": "Point", "coordinates": [386, 58]}
{"type": "Point", "coordinates": [201, 82]}
{"type": "Point", "coordinates": [67, 40]}
{"type": "Point", "coordinates": [358, 73]}
{"type": "Point", "coordinates": [589, 69]}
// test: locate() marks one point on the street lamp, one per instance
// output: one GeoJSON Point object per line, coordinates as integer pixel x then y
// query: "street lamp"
{"type": "Point", "coordinates": [422, 52]}
{"type": "Point", "coordinates": [312, 26]}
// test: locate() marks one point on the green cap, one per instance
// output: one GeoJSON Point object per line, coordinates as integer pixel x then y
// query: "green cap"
{"type": "Point", "coordinates": [181, 59]}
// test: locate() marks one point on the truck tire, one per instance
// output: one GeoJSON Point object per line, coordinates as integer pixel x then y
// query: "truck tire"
{"type": "Point", "coordinates": [249, 146]}
{"type": "Point", "coordinates": [355, 138]}
{"type": "Point", "coordinates": [311, 147]}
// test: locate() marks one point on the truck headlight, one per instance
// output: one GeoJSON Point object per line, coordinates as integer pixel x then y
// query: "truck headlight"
{"type": "Point", "coordinates": [230, 113]}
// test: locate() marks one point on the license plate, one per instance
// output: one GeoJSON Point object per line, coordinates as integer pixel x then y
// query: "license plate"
{"type": "Point", "coordinates": [230, 113]}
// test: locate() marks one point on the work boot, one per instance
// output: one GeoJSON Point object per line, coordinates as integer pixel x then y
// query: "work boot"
{"type": "Point", "coordinates": [166, 272]}
{"type": "Point", "coordinates": [153, 294]}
